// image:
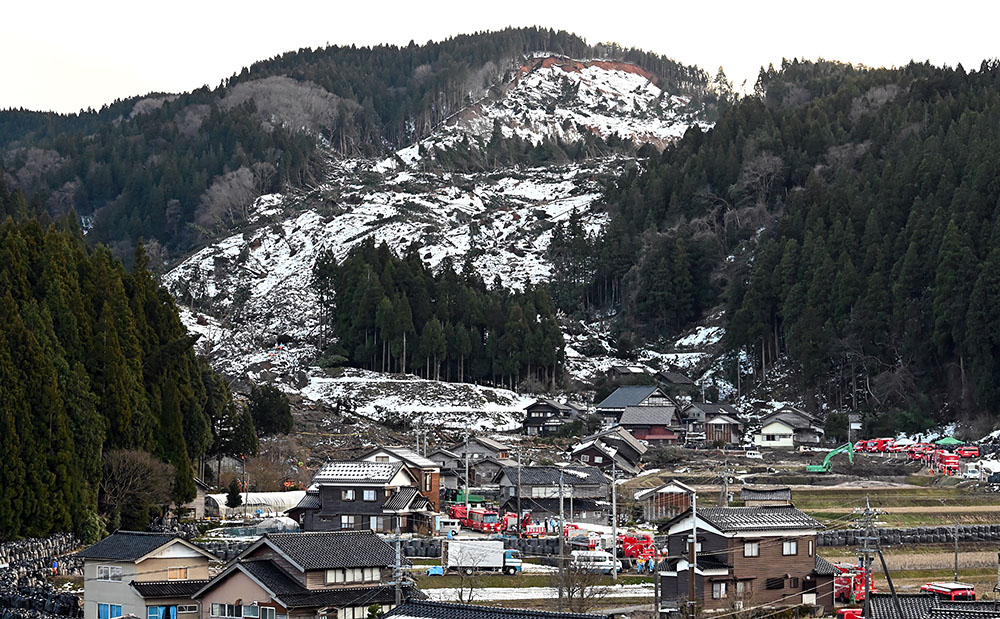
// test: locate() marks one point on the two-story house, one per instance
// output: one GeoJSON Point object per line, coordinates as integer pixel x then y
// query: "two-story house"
{"type": "Point", "coordinates": [355, 495]}
{"type": "Point", "coordinates": [584, 492]}
{"type": "Point", "coordinates": [665, 501]}
{"type": "Point", "coordinates": [749, 556]}
{"type": "Point", "coordinates": [148, 575]}
{"type": "Point", "coordinates": [657, 425]}
{"type": "Point", "coordinates": [481, 447]}
{"type": "Point", "coordinates": [452, 468]}
{"type": "Point", "coordinates": [612, 407]}
{"type": "Point", "coordinates": [334, 574]}
{"type": "Point", "coordinates": [789, 427]}
{"type": "Point", "coordinates": [426, 471]}
{"type": "Point", "coordinates": [711, 422]}
{"type": "Point", "coordinates": [544, 417]}
{"type": "Point", "coordinates": [612, 449]}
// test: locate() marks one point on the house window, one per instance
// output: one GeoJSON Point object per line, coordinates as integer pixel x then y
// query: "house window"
{"type": "Point", "coordinates": [354, 574]}
{"type": "Point", "coordinates": [381, 458]}
{"type": "Point", "coordinates": [810, 548]}
{"type": "Point", "coordinates": [718, 590]}
{"type": "Point", "coordinates": [347, 495]}
{"type": "Point", "coordinates": [770, 438]}
{"type": "Point", "coordinates": [164, 612]}
{"type": "Point", "coordinates": [774, 583]}
{"type": "Point", "coordinates": [109, 611]}
{"type": "Point", "coordinates": [427, 482]}
{"type": "Point", "coordinates": [177, 573]}
{"type": "Point", "coordinates": [231, 611]}
{"type": "Point", "coordinates": [793, 583]}
{"type": "Point", "coordinates": [790, 547]}
{"type": "Point", "coordinates": [751, 549]}
{"type": "Point", "coordinates": [585, 458]}
{"type": "Point", "coordinates": [109, 573]}
{"type": "Point", "coordinates": [347, 522]}
{"type": "Point", "coordinates": [190, 608]}
{"type": "Point", "coordinates": [598, 459]}
{"type": "Point", "coordinates": [375, 523]}
{"type": "Point", "coordinates": [742, 587]}
{"type": "Point", "coordinates": [369, 495]}
{"type": "Point", "coordinates": [251, 612]}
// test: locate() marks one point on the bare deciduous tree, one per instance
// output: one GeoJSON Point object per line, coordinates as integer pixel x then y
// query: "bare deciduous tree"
{"type": "Point", "coordinates": [582, 589]}
{"type": "Point", "coordinates": [133, 479]}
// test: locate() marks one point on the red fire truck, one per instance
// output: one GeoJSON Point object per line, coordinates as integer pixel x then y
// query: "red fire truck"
{"type": "Point", "coordinates": [482, 519]}
{"type": "Point", "coordinates": [528, 529]}
{"type": "Point", "coordinates": [954, 591]}
{"type": "Point", "coordinates": [849, 583]}
{"type": "Point", "coordinates": [637, 545]}
{"type": "Point", "coordinates": [945, 462]}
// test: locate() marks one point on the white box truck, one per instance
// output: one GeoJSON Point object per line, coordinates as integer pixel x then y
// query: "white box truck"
{"type": "Point", "coordinates": [468, 556]}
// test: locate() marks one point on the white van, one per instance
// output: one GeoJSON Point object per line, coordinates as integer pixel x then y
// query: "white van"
{"type": "Point", "coordinates": [593, 561]}
{"type": "Point", "coordinates": [449, 525]}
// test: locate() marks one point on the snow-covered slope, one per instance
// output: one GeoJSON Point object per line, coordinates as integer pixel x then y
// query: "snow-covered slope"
{"type": "Point", "coordinates": [565, 99]}
{"type": "Point", "coordinates": [249, 294]}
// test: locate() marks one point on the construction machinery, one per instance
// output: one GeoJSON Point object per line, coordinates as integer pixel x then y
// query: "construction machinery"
{"type": "Point", "coordinates": [826, 466]}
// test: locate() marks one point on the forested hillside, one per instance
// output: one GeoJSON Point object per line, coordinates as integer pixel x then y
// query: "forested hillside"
{"type": "Point", "coordinates": [394, 314]}
{"type": "Point", "coordinates": [178, 169]}
{"type": "Point", "coordinates": [92, 359]}
{"type": "Point", "coordinates": [848, 218]}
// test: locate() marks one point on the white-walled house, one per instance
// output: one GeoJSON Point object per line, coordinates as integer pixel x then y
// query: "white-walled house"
{"type": "Point", "coordinates": [788, 428]}
{"type": "Point", "coordinates": [151, 575]}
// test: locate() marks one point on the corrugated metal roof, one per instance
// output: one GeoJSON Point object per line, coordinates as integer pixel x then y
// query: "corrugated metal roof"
{"type": "Point", "coordinates": [765, 494]}
{"type": "Point", "coordinates": [647, 416]}
{"type": "Point", "coordinates": [630, 395]}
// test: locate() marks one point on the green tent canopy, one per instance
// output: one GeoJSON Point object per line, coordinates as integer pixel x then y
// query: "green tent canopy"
{"type": "Point", "coordinates": [948, 441]}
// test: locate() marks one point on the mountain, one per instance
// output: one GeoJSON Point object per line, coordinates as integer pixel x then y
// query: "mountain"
{"type": "Point", "coordinates": [253, 291]}
{"type": "Point", "coordinates": [177, 169]}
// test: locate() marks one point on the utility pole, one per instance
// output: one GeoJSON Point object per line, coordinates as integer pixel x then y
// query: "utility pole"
{"type": "Point", "coordinates": [466, 471]}
{"type": "Point", "coordinates": [614, 520]}
{"type": "Point", "coordinates": [398, 572]}
{"type": "Point", "coordinates": [520, 534]}
{"type": "Point", "coordinates": [246, 493]}
{"type": "Point", "coordinates": [955, 535]}
{"type": "Point", "coordinates": [562, 543]}
{"type": "Point", "coordinates": [867, 519]}
{"type": "Point", "coordinates": [693, 556]}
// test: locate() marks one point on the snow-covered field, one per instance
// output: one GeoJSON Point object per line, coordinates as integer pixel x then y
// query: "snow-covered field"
{"type": "Point", "coordinates": [451, 594]}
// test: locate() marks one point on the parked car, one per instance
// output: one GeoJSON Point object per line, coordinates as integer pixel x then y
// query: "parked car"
{"type": "Point", "coordinates": [968, 451]}
{"type": "Point", "coordinates": [753, 454]}
{"type": "Point", "coordinates": [594, 561]}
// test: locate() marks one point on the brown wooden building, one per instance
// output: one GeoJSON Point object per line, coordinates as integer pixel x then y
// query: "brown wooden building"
{"type": "Point", "coordinates": [664, 502]}
{"type": "Point", "coordinates": [747, 556]}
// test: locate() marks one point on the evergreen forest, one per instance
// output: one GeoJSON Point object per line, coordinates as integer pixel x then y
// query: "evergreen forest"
{"type": "Point", "coordinates": [93, 360]}
{"type": "Point", "coordinates": [847, 219]}
{"type": "Point", "coordinates": [393, 314]}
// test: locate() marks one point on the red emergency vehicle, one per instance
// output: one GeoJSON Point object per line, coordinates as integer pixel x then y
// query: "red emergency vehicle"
{"type": "Point", "coordinates": [482, 519]}
{"type": "Point", "coordinates": [637, 545]}
{"type": "Point", "coordinates": [968, 451]}
{"type": "Point", "coordinates": [849, 583]}
{"type": "Point", "coordinates": [955, 591]}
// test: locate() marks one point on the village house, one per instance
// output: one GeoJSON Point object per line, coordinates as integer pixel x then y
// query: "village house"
{"type": "Point", "coordinates": [585, 492]}
{"type": "Point", "coordinates": [334, 574]}
{"type": "Point", "coordinates": [150, 575]}
{"type": "Point", "coordinates": [614, 448]}
{"type": "Point", "coordinates": [452, 468]}
{"type": "Point", "coordinates": [763, 497]}
{"type": "Point", "coordinates": [619, 372]}
{"type": "Point", "coordinates": [675, 382]}
{"type": "Point", "coordinates": [355, 495]}
{"type": "Point", "coordinates": [789, 427]}
{"type": "Point", "coordinates": [426, 471]}
{"type": "Point", "coordinates": [613, 407]}
{"type": "Point", "coordinates": [697, 415]}
{"type": "Point", "coordinates": [724, 429]}
{"type": "Point", "coordinates": [544, 417]}
{"type": "Point", "coordinates": [747, 556]}
{"type": "Point", "coordinates": [481, 447]}
{"type": "Point", "coordinates": [657, 425]}
{"type": "Point", "coordinates": [664, 502]}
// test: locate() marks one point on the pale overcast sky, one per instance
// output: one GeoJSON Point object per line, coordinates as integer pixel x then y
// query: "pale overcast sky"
{"type": "Point", "coordinates": [69, 55]}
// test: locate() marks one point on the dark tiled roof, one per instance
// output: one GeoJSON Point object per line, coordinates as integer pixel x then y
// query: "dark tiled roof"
{"type": "Point", "coordinates": [765, 494]}
{"type": "Point", "coordinates": [552, 505]}
{"type": "Point", "coordinates": [914, 605]}
{"type": "Point", "coordinates": [714, 409]}
{"type": "Point", "coordinates": [549, 475]}
{"type": "Point", "coordinates": [309, 501]}
{"type": "Point", "coordinates": [675, 377]}
{"type": "Point", "coordinates": [630, 395]}
{"type": "Point", "coordinates": [444, 610]}
{"type": "Point", "coordinates": [765, 518]}
{"type": "Point", "coordinates": [400, 499]}
{"type": "Point", "coordinates": [271, 576]}
{"type": "Point", "coordinates": [354, 596]}
{"type": "Point", "coordinates": [333, 549]}
{"type": "Point", "coordinates": [168, 588]}
{"type": "Point", "coordinates": [420, 503]}
{"type": "Point", "coordinates": [647, 416]}
{"type": "Point", "coordinates": [973, 605]}
{"type": "Point", "coordinates": [964, 613]}
{"type": "Point", "coordinates": [356, 472]}
{"type": "Point", "coordinates": [126, 545]}
{"type": "Point", "coordinates": [793, 417]}
{"type": "Point", "coordinates": [824, 567]}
